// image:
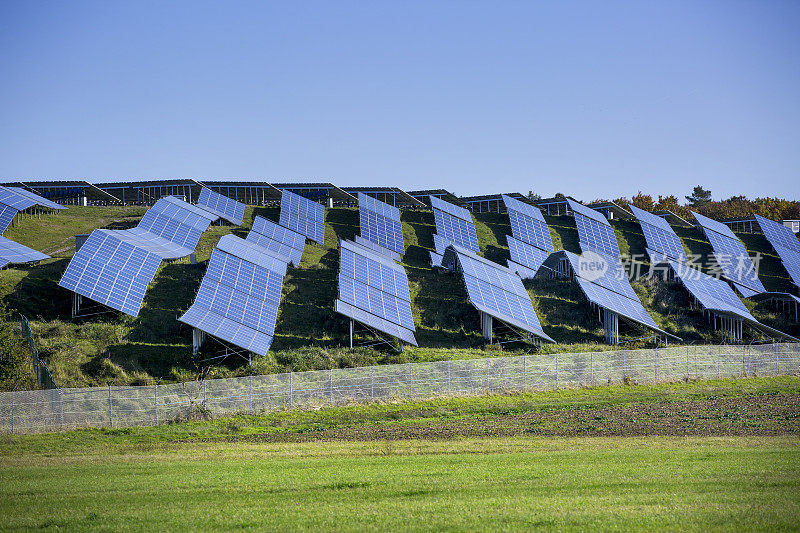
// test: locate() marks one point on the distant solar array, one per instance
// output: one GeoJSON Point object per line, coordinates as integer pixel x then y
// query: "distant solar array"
{"type": "Point", "coordinates": [13, 253]}
{"type": "Point", "coordinates": [380, 223]}
{"type": "Point", "coordinates": [662, 242]}
{"type": "Point", "coordinates": [785, 244]}
{"type": "Point", "coordinates": [731, 256]}
{"type": "Point", "coordinates": [594, 231]}
{"type": "Point", "coordinates": [114, 267]}
{"type": "Point", "coordinates": [303, 216]}
{"type": "Point", "coordinates": [222, 206]}
{"type": "Point", "coordinates": [373, 290]}
{"type": "Point", "coordinates": [240, 294]}
{"type": "Point", "coordinates": [531, 243]}
{"type": "Point", "coordinates": [453, 226]}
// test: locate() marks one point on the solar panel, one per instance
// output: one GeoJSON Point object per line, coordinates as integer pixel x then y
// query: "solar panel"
{"type": "Point", "coordinates": [713, 293]}
{"type": "Point", "coordinates": [528, 224]}
{"type": "Point", "coordinates": [607, 287]}
{"type": "Point", "coordinates": [15, 200]}
{"type": "Point", "coordinates": [177, 221]}
{"type": "Point", "coordinates": [716, 295]}
{"type": "Point", "coordinates": [7, 214]}
{"type": "Point", "coordinates": [222, 206]}
{"type": "Point", "coordinates": [239, 296]}
{"type": "Point", "coordinates": [659, 235]}
{"type": "Point", "coordinates": [450, 209]}
{"type": "Point", "coordinates": [277, 239]}
{"type": "Point", "coordinates": [496, 291]}
{"type": "Point", "coordinates": [791, 262]}
{"type": "Point", "coordinates": [39, 200]}
{"type": "Point", "coordinates": [786, 245]}
{"type": "Point", "coordinates": [378, 287]}
{"type": "Point", "coordinates": [114, 267]}
{"type": "Point", "coordinates": [454, 224]}
{"type": "Point", "coordinates": [777, 234]}
{"type": "Point", "coordinates": [111, 271]}
{"type": "Point", "coordinates": [15, 253]}
{"type": "Point", "coordinates": [526, 255]}
{"type": "Point", "coordinates": [594, 231]}
{"type": "Point", "coordinates": [380, 223]}
{"type": "Point", "coordinates": [303, 216]}
{"type": "Point", "coordinates": [734, 261]}
{"type": "Point", "coordinates": [713, 225]}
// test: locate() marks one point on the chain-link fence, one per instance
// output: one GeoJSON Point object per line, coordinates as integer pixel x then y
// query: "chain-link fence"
{"type": "Point", "coordinates": [55, 409]}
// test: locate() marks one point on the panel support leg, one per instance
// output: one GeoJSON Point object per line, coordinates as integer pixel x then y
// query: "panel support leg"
{"type": "Point", "coordinates": [486, 326]}
{"type": "Point", "coordinates": [351, 333]}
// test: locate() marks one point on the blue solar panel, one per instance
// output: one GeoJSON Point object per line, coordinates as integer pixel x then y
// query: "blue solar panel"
{"type": "Point", "coordinates": [15, 253]}
{"type": "Point", "coordinates": [713, 293]}
{"type": "Point", "coordinates": [7, 214]}
{"type": "Point", "coordinates": [528, 224]}
{"type": "Point", "coordinates": [529, 256]}
{"type": "Point", "coordinates": [786, 245]}
{"type": "Point", "coordinates": [380, 223]}
{"type": "Point", "coordinates": [734, 261]}
{"type": "Point", "coordinates": [713, 225]}
{"type": "Point", "coordinates": [496, 290]}
{"type": "Point", "coordinates": [595, 236]}
{"type": "Point", "coordinates": [222, 206]}
{"type": "Point", "coordinates": [239, 296]}
{"type": "Point", "coordinates": [791, 262]}
{"type": "Point", "coordinates": [39, 200]}
{"type": "Point", "coordinates": [111, 271]}
{"type": "Point", "coordinates": [277, 239]}
{"type": "Point", "coordinates": [303, 216]}
{"type": "Point", "coordinates": [777, 234]}
{"type": "Point", "coordinates": [456, 230]}
{"type": "Point", "coordinates": [659, 234]}
{"type": "Point", "coordinates": [114, 267]}
{"type": "Point", "coordinates": [588, 212]}
{"type": "Point", "coordinates": [378, 287]}
{"type": "Point", "coordinates": [177, 221]}
{"type": "Point", "coordinates": [608, 288]}
{"type": "Point", "coordinates": [15, 200]}
{"type": "Point", "coordinates": [450, 209]}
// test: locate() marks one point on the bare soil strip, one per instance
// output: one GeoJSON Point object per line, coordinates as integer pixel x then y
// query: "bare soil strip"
{"type": "Point", "coordinates": [777, 414]}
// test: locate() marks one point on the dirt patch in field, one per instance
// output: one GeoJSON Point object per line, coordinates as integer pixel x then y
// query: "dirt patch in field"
{"type": "Point", "coordinates": [749, 415]}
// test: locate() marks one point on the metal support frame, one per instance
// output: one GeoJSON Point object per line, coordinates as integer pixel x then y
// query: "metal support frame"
{"type": "Point", "coordinates": [79, 310]}
{"type": "Point", "coordinates": [382, 338]}
{"type": "Point", "coordinates": [229, 349]}
{"type": "Point", "coordinates": [492, 328]}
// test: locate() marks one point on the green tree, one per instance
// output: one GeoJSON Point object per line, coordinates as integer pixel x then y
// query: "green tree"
{"type": "Point", "coordinates": [699, 197]}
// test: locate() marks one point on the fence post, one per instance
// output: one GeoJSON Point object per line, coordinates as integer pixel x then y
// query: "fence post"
{"type": "Point", "coordinates": [591, 367]}
{"type": "Point", "coordinates": [687, 362]}
{"type": "Point", "coordinates": [656, 381]}
{"type": "Point", "coordinates": [372, 382]}
{"type": "Point", "coordinates": [525, 372]}
{"type": "Point", "coordinates": [13, 394]}
{"type": "Point", "coordinates": [291, 389]}
{"type": "Point", "coordinates": [411, 368]}
{"type": "Point", "coordinates": [487, 375]}
{"type": "Point", "coordinates": [449, 364]}
{"type": "Point", "coordinates": [777, 365]}
{"type": "Point", "coordinates": [110, 415]}
{"type": "Point", "coordinates": [61, 408]}
{"type": "Point", "coordinates": [719, 359]}
{"type": "Point", "coordinates": [155, 400]}
{"type": "Point", "coordinates": [556, 370]}
{"type": "Point", "coordinates": [204, 391]}
{"type": "Point", "coordinates": [624, 365]}
{"type": "Point", "coordinates": [330, 385]}
{"type": "Point", "coordinates": [250, 392]}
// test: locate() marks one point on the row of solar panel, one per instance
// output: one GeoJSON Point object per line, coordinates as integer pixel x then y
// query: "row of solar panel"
{"type": "Point", "coordinates": [13, 200]}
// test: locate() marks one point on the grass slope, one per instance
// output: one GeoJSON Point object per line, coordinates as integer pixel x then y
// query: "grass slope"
{"type": "Point", "coordinates": [309, 335]}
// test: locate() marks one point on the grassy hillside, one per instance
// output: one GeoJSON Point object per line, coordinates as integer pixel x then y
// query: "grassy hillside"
{"type": "Point", "coordinates": [309, 335]}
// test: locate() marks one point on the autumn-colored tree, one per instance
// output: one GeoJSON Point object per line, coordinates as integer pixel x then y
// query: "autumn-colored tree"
{"type": "Point", "coordinates": [643, 201]}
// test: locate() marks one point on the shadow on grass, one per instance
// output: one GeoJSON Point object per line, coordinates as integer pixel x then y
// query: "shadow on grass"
{"type": "Point", "coordinates": [566, 233]}
{"type": "Point", "coordinates": [38, 293]}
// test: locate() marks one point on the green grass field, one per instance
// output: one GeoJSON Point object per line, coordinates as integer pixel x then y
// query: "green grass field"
{"type": "Point", "coordinates": [727, 470]}
{"type": "Point", "coordinates": [309, 334]}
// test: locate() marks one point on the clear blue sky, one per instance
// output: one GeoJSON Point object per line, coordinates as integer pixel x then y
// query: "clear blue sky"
{"type": "Point", "coordinates": [593, 99]}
